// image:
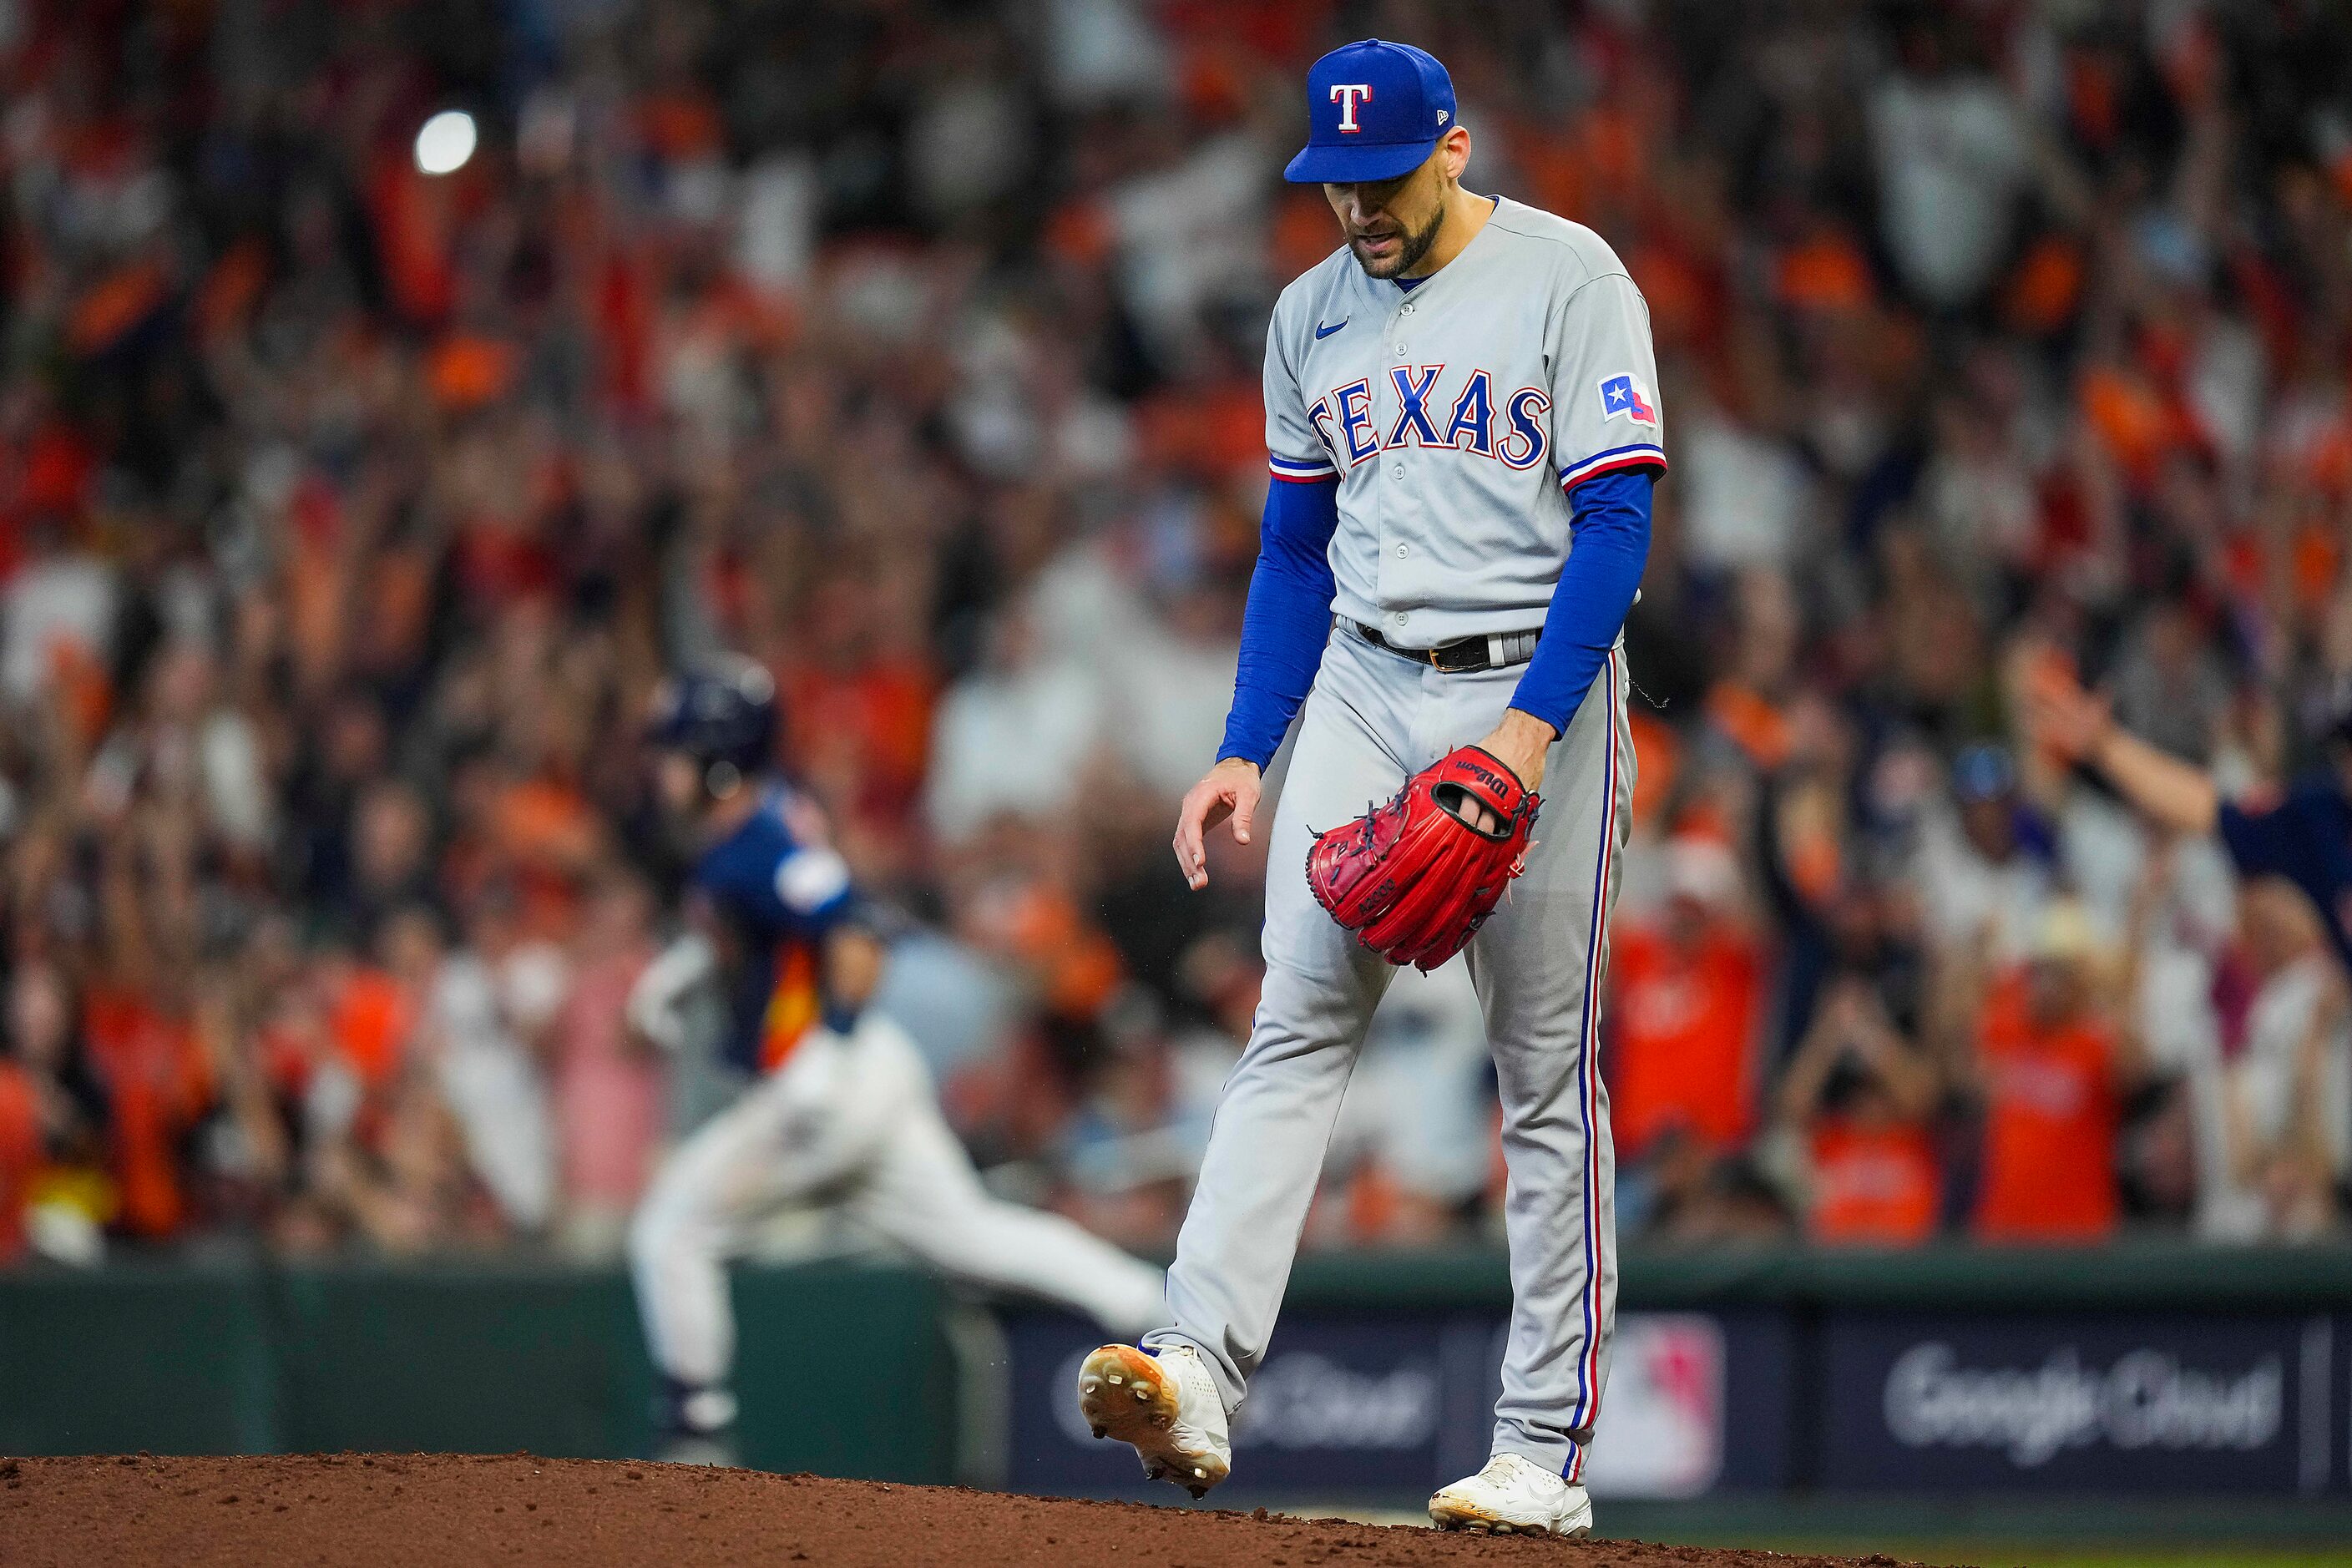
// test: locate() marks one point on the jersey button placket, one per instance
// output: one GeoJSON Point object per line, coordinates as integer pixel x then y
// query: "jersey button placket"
{"type": "Point", "coordinates": [1398, 621]}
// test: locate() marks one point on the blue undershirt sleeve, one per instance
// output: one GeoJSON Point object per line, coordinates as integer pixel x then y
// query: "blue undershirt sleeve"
{"type": "Point", "coordinates": [1289, 618]}
{"type": "Point", "coordinates": [2263, 843]}
{"type": "Point", "coordinates": [1612, 524]}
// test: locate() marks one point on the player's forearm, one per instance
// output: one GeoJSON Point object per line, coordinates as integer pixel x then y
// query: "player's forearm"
{"type": "Point", "coordinates": [1809, 1072]}
{"type": "Point", "coordinates": [1596, 589]}
{"type": "Point", "coordinates": [2176, 794]}
{"type": "Point", "coordinates": [653, 1004]}
{"type": "Point", "coordinates": [1287, 620]}
{"type": "Point", "coordinates": [853, 972]}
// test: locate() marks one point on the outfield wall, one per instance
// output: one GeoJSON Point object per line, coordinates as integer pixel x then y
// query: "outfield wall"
{"type": "Point", "coordinates": [2152, 1372]}
{"type": "Point", "coordinates": [240, 1357]}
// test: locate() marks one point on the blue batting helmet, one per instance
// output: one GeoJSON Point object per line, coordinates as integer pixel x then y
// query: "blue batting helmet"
{"type": "Point", "coordinates": [721, 712]}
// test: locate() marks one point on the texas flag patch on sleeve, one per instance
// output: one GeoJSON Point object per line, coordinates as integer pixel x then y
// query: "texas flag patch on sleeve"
{"type": "Point", "coordinates": [1622, 398]}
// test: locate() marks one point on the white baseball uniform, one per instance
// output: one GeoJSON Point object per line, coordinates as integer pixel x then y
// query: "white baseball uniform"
{"type": "Point", "coordinates": [1456, 416]}
{"type": "Point", "coordinates": [851, 1120]}
{"type": "Point", "coordinates": [848, 1118]}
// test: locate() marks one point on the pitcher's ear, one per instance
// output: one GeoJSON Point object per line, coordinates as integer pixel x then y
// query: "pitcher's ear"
{"type": "Point", "coordinates": [1454, 149]}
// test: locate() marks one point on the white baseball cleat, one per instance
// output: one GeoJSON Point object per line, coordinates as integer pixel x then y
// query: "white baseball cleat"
{"type": "Point", "coordinates": [1513, 1495]}
{"type": "Point", "coordinates": [1166, 1404]}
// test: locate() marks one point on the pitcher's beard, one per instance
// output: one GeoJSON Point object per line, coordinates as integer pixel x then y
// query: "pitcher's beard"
{"type": "Point", "coordinates": [1409, 253]}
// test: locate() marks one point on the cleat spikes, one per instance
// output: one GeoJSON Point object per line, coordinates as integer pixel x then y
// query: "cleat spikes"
{"type": "Point", "coordinates": [1158, 1422]}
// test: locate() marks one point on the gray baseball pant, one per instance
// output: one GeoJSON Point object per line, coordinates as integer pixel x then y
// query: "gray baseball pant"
{"type": "Point", "coordinates": [1373, 718]}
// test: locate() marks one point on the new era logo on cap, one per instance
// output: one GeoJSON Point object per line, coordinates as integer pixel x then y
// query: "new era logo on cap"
{"type": "Point", "coordinates": [1374, 111]}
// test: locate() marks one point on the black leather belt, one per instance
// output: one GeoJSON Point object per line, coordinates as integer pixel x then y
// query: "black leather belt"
{"type": "Point", "coordinates": [1498, 650]}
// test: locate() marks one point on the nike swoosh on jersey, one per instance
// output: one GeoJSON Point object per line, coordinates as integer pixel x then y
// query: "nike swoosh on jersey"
{"type": "Point", "coordinates": [1323, 332]}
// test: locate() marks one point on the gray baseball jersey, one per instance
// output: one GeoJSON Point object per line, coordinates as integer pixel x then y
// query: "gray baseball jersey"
{"type": "Point", "coordinates": [1456, 415]}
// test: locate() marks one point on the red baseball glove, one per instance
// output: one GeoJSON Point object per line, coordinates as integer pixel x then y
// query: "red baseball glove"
{"type": "Point", "coordinates": [1414, 878]}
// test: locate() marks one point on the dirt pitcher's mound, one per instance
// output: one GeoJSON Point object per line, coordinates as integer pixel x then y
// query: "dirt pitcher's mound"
{"type": "Point", "coordinates": [440, 1509]}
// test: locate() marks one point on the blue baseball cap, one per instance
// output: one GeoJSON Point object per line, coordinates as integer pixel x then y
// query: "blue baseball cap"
{"type": "Point", "coordinates": [1983, 773]}
{"type": "Point", "coordinates": [1374, 109]}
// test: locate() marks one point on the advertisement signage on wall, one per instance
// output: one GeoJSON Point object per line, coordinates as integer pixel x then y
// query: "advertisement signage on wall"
{"type": "Point", "coordinates": [2062, 1403]}
{"type": "Point", "coordinates": [1661, 1426]}
{"type": "Point", "coordinates": [1378, 1406]}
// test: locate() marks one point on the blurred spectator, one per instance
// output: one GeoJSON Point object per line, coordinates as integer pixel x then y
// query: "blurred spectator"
{"type": "Point", "coordinates": [605, 1088]}
{"type": "Point", "coordinates": [1952, 159]}
{"type": "Point", "coordinates": [484, 1074]}
{"type": "Point", "coordinates": [1984, 870]}
{"type": "Point", "coordinates": [59, 1195]}
{"type": "Point", "coordinates": [20, 1156]}
{"type": "Point", "coordinates": [1124, 1149]}
{"type": "Point", "coordinates": [1012, 739]}
{"type": "Point", "coordinates": [2168, 686]}
{"type": "Point", "coordinates": [349, 514]}
{"type": "Point", "coordinates": [1695, 1197]}
{"type": "Point", "coordinates": [1686, 1009]}
{"type": "Point", "coordinates": [1410, 1150]}
{"type": "Point", "coordinates": [1859, 1096]}
{"type": "Point", "coordinates": [2272, 1114]}
{"type": "Point", "coordinates": [60, 603]}
{"type": "Point", "coordinates": [2050, 1063]}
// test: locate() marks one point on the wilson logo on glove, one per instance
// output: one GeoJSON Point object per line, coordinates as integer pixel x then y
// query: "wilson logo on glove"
{"type": "Point", "coordinates": [1414, 879]}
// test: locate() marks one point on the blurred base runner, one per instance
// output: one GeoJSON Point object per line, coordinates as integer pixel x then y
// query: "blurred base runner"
{"type": "Point", "coordinates": [851, 1122]}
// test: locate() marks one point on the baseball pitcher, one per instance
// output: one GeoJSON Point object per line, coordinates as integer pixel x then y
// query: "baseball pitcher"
{"type": "Point", "coordinates": [1461, 419]}
{"type": "Point", "coordinates": [842, 1109]}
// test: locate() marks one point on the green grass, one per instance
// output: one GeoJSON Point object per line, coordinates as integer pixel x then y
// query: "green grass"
{"type": "Point", "coordinates": [2012, 1533]}
{"type": "Point", "coordinates": [1982, 1532]}
{"type": "Point", "coordinates": [1995, 1555]}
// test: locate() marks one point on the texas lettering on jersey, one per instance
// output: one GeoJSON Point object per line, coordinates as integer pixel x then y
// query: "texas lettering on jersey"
{"type": "Point", "coordinates": [1343, 418]}
{"type": "Point", "coordinates": [1459, 416]}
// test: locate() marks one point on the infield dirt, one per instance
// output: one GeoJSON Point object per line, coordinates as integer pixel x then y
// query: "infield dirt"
{"type": "Point", "coordinates": [340, 1510]}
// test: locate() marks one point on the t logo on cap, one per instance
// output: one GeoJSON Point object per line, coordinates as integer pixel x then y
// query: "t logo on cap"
{"type": "Point", "coordinates": [1347, 95]}
{"type": "Point", "coordinates": [1375, 110]}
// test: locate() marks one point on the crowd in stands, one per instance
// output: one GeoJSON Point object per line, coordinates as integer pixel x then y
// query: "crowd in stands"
{"type": "Point", "coordinates": [349, 514]}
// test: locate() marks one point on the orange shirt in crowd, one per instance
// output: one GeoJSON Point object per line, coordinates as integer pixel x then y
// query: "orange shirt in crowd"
{"type": "Point", "coordinates": [368, 1019]}
{"type": "Point", "coordinates": [20, 1156]}
{"type": "Point", "coordinates": [158, 1083]}
{"type": "Point", "coordinates": [878, 716]}
{"type": "Point", "coordinates": [2049, 1172]}
{"type": "Point", "coordinates": [1685, 1022]}
{"type": "Point", "coordinates": [1874, 1185]}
